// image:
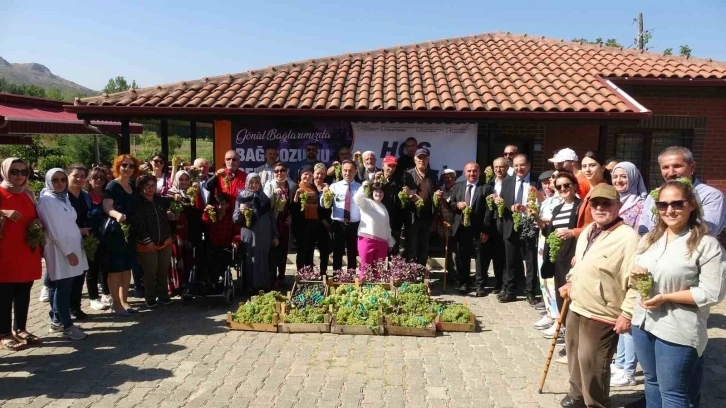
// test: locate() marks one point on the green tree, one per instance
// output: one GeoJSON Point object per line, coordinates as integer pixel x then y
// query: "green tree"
{"type": "Point", "coordinates": [81, 148]}
{"type": "Point", "coordinates": [668, 51]}
{"type": "Point", "coordinates": [610, 42]}
{"type": "Point", "coordinates": [148, 143]}
{"type": "Point", "coordinates": [119, 84]}
{"type": "Point", "coordinates": [685, 51]}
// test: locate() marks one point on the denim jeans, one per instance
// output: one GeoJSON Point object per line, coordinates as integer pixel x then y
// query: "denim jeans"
{"type": "Point", "coordinates": [60, 300]}
{"type": "Point", "coordinates": [672, 372]}
{"type": "Point", "coordinates": [626, 358]}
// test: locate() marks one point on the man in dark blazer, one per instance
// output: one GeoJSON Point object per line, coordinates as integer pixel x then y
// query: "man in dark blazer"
{"type": "Point", "coordinates": [470, 239]}
{"type": "Point", "coordinates": [419, 182]}
{"type": "Point", "coordinates": [515, 190]}
{"type": "Point", "coordinates": [368, 170]}
{"type": "Point", "coordinates": [391, 188]}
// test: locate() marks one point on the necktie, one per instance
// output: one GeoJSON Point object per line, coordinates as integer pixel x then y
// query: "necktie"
{"type": "Point", "coordinates": [520, 192]}
{"type": "Point", "coordinates": [467, 198]}
{"type": "Point", "coordinates": [346, 208]}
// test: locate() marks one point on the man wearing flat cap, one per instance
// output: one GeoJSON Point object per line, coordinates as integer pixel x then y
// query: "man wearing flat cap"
{"type": "Point", "coordinates": [599, 310]}
{"type": "Point", "coordinates": [420, 182]}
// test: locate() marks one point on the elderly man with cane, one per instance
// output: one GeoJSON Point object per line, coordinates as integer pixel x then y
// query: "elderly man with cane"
{"type": "Point", "coordinates": [599, 310]}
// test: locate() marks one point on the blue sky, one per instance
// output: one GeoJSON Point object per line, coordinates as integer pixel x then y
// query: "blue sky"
{"type": "Point", "coordinates": [157, 42]}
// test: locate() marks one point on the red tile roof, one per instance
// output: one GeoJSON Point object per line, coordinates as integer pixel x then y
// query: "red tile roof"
{"type": "Point", "coordinates": [489, 72]}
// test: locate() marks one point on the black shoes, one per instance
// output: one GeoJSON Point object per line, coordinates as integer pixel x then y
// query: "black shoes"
{"type": "Point", "coordinates": [532, 300]}
{"type": "Point", "coordinates": [568, 402]}
{"type": "Point", "coordinates": [463, 289]}
{"type": "Point", "coordinates": [79, 315]}
{"type": "Point", "coordinates": [496, 290]}
{"type": "Point", "coordinates": [480, 292]}
{"type": "Point", "coordinates": [507, 298]}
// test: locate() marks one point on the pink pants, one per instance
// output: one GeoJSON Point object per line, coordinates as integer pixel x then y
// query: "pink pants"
{"type": "Point", "coordinates": [370, 250]}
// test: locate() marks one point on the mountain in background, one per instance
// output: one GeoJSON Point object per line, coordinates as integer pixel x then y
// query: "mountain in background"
{"type": "Point", "coordinates": [37, 74]}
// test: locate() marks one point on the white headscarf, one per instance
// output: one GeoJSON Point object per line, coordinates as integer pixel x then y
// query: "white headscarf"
{"type": "Point", "coordinates": [636, 191]}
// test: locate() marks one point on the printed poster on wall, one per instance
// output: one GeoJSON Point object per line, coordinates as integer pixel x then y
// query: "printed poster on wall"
{"type": "Point", "coordinates": [451, 145]}
{"type": "Point", "coordinates": [250, 138]}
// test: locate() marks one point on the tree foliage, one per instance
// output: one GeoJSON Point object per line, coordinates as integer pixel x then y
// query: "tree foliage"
{"type": "Point", "coordinates": [37, 91]}
{"type": "Point", "coordinates": [685, 51]}
{"type": "Point", "coordinates": [610, 42]}
{"type": "Point", "coordinates": [119, 84]}
{"type": "Point", "coordinates": [148, 143]}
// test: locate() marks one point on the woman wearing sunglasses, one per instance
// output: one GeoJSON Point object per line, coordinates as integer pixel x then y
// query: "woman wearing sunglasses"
{"type": "Point", "coordinates": [279, 188]}
{"type": "Point", "coordinates": [118, 203]}
{"type": "Point", "coordinates": [20, 264]}
{"type": "Point", "coordinates": [64, 256]}
{"type": "Point", "coordinates": [158, 166]}
{"type": "Point", "coordinates": [628, 181]}
{"type": "Point", "coordinates": [97, 275]}
{"type": "Point", "coordinates": [689, 277]}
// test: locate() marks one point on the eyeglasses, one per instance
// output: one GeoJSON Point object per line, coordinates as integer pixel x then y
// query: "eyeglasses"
{"type": "Point", "coordinates": [278, 171]}
{"type": "Point", "coordinates": [601, 203]}
{"type": "Point", "coordinates": [565, 186]}
{"type": "Point", "coordinates": [677, 205]}
{"type": "Point", "coordinates": [158, 161]}
{"type": "Point", "coordinates": [23, 172]}
{"type": "Point", "coordinates": [98, 178]}
{"type": "Point", "coordinates": [128, 166]}
{"type": "Point", "coordinates": [59, 180]}
{"type": "Point", "coordinates": [232, 159]}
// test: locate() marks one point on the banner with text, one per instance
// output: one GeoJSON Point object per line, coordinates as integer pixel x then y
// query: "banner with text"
{"type": "Point", "coordinates": [451, 145]}
{"type": "Point", "coordinates": [250, 139]}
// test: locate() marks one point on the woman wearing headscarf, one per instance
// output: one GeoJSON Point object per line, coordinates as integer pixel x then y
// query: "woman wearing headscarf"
{"type": "Point", "coordinates": [258, 234]}
{"type": "Point", "coordinates": [189, 223]}
{"type": "Point", "coordinates": [280, 189]}
{"type": "Point", "coordinates": [628, 181]}
{"type": "Point", "coordinates": [20, 264]}
{"type": "Point", "coordinates": [64, 256]}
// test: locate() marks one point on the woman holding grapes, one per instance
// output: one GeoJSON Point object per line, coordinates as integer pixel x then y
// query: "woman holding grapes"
{"type": "Point", "coordinates": [280, 189]}
{"type": "Point", "coordinates": [306, 205]}
{"type": "Point", "coordinates": [678, 276]}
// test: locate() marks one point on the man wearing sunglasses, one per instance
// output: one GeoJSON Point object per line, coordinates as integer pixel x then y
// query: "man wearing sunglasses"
{"type": "Point", "coordinates": [597, 287]}
{"type": "Point", "coordinates": [230, 179]}
{"type": "Point", "coordinates": [311, 159]}
{"type": "Point", "coordinates": [676, 162]}
{"type": "Point", "coordinates": [267, 170]}
{"type": "Point", "coordinates": [509, 152]}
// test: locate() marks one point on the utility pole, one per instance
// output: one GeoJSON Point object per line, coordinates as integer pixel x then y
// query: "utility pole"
{"type": "Point", "coordinates": [641, 46]}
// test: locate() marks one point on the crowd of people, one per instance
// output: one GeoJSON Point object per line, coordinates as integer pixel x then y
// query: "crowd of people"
{"type": "Point", "coordinates": [154, 222]}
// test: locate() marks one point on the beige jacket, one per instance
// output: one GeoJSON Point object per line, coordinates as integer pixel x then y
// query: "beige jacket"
{"type": "Point", "coordinates": [600, 279]}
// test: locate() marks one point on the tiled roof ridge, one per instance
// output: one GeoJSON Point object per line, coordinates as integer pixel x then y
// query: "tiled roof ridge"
{"type": "Point", "coordinates": [299, 65]}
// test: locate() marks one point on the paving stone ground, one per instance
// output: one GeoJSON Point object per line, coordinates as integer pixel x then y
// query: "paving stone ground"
{"type": "Point", "coordinates": [183, 356]}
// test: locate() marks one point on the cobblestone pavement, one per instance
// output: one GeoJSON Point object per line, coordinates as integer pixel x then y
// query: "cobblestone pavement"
{"type": "Point", "coordinates": [182, 355]}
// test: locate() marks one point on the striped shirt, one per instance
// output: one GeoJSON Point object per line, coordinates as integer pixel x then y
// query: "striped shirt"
{"type": "Point", "coordinates": [562, 220]}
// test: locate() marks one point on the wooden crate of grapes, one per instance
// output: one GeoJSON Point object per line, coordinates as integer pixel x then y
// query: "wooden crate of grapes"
{"type": "Point", "coordinates": [456, 318]}
{"type": "Point", "coordinates": [260, 313]}
{"type": "Point", "coordinates": [310, 319]}
{"type": "Point", "coordinates": [385, 285]}
{"type": "Point", "coordinates": [394, 330]}
{"type": "Point", "coordinates": [260, 327]}
{"type": "Point", "coordinates": [377, 330]}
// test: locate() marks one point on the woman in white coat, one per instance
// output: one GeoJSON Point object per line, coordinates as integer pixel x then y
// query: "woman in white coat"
{"type": "Point", "coordinates": [63, 251]}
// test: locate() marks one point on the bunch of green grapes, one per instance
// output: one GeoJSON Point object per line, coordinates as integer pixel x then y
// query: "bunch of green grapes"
{"type": "Point", "coordinates": [404, 198]}
{"type": "Point", "coordinates": [338, 172]}
{"type": "Point", "coordinates": [125, 230]}
{"type": "Point", "coordinates": [212, 214]}
{"type": "Point", "coordinates": [303, 200]}
{"type": "Point", "coordinates": [643, 284]}
{"type": "Point", "coordinates": [555, 244]}
{"type": "Point", "coordinates": [419, 205]}
{"type": "Point", "coordinates": [192, 192]}
{"type": "Point", "coordinates": [517, 218]}
{"type": "Point", "coordinates": [35, 236]}
{"type": "Point", "coordinates": [374, 296]}
{"type": "Point", "coordinates": [466, 212]}
{"type": "Point", "coordinates": [259, 310]}
{"type": "Point", "coordinates": [411, 320]}
{"type": "Point", "coordinates": [176, 208]}
{"type": "Point", "coordinates": [248, 217]}
{"type": "Point", "coordinates": [490, 203]}
{"type": "Point", "coordinates": [500, 207]}
{"type": "Point", "coordinates": [90, 245]}
{"type": "Point", "coordinates": [686, 181]}
{"type": "Point", "coordinates": [654, 194]}
{"type": "Point", "coordinates": [358, 315]}
{"type": "Point", "coordinates": [308, 314]}
{"type": "Point", "coordinates": [281, 203]}
{"type": "Point", "coordinates": [532, 201]}
{"type": "Point", "coordinates": [328, 197]}
{"type": "Point", "coordinates": [436, 200]}
{"type": "Point", "coordinates": [455, 313]}
{"type": "Point", "coordinates": [488, 175]}
{"type": "Point", "coordinates": [343, 295]}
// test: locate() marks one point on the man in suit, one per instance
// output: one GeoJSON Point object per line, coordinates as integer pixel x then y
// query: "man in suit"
{"type": "Point", "coordinates": [267, 170]}
{"type": "Point", "coordinates": [368, 170]}
{"type": "Point", "coordinates": [448, 178]}
{"type": "Point", "coordinates": [493, 249]}
{"type": "Point", "coordinates": [515, 190]}
{"type": "Point", "coordinates": [469, 239]}
{"type": "Point", "coordinates": [420, 182]}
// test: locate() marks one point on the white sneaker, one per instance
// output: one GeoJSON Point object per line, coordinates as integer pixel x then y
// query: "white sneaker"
{"type": "Point", "coordinates": [550, 332]}
{"type": "Point", "coordinates": [615, 371]}
{"type": "Point", "coordinates": [97, 304]}
{"type": "Point", "coordinates": [44, 294]}
{"type": "Point", "coordinates": [55, 328]}
{"type": "Point", "coordinates": [544, 323]}
{"type": "Point", "coordinates": [107, 300]}
{"type": "Point", "coordinates": [74, 333]}
{"type": "Point", "coordinates": [622, 380]}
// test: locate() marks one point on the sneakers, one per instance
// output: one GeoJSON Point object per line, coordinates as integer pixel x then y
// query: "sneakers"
{"type": "Point", "coordinates": [44, 294]}
{"type": "Point", "coordinates": [165, 301]}
{"type": "Point", "coordinates": [55, 328]}
{"type": "Point", "coordinates": [622, 379]}
{"type": "Point", "coordinates": [544, 323]}
{"type": "Point", "coordinates": [74, 333]}
{"type": "Point", "coordinates": [550, 332]}
{"type": "Point", "coordinates": [97, 304]}
{"type": "Point", "coordinates": [151, 303]}
{"type": "Point", "coordinates": [107, 300]}
{"type": "Point", "coordinates": [615, 370]}
{"type": "Point", "coordinates": [79, 315]}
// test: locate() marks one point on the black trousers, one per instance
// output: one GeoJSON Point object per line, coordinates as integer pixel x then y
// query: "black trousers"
{"type": "Point", "coordinates": [396, 233]}
{"type": "Point", "coordinates": [493, 252]}
{"type": "Point", "coordinates": [466, 245]}
{"type": "Point", "coordinates": [315, 233]}
{"type": "Point", "coordinates": [346, 241]}
{"type": "Point", "coordinates": [14, 297]}
{"type": "Point", "coordinates": [418, 234]}
{"type": "Point", "coordinates": [518, 250]}
{"type": "Point", "coordinates": [77, 292]}
{"type": "Point", "coordinates": [97, 273]}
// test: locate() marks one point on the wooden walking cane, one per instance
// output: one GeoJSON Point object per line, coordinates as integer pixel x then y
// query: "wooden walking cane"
{"type": "Point", "coordinates": [563, 313]}
{"type": "Point", "coordinates": [447, 228]}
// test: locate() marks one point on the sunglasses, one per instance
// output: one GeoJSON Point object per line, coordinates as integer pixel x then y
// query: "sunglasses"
{"type": "Point", "coordinates": [98, 178]}
{"type": "Point", "coordinates": [677, 205]}
{"type": "Point", "coordinates": [59, 180]}
{"type": "Point", "coordinates": [565, 186]}
{"type": "Point", "coordinates": [509, 153]}
{"type": "Point", "coordinates": [23, 172]}
{"type": "Point", "coordinates": [232, 159]}
{"type": "Point", "coordinates": [278, 171]}
{"type": "Point", "coordinates": [158, 161]}
{"type": "Point", "coordinates": [601, 203]}
{"type": "Point", "coordinates": [128, 166]}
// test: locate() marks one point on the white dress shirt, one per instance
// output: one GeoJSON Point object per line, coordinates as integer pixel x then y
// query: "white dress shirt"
{"type": "Point", "coordinates": [522, 183]}
{"type": "Point", "coordinates": [510, 171]}
{"type": "Point", "coordinates": [498, 186]}
{"type": "Point", "coordinates": [339, 189]}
